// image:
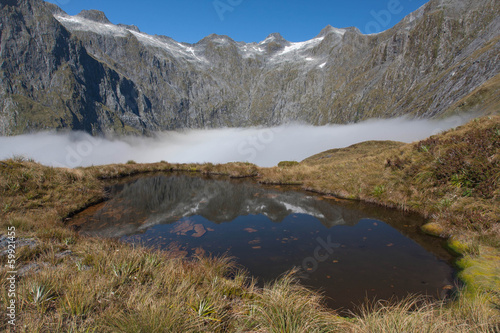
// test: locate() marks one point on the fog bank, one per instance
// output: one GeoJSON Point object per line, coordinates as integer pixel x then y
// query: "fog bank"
{"type": "Point", "coordinates": [262, 146]}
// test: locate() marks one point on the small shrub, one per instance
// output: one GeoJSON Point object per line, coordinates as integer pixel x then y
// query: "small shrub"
{"type": "Point", "coordinates": [89, 260]}
{"type": "Point", "coordinates": [125, 270]}
{"type": "Point", "coordinates": [40, 293]}
{"type": "Point", "coordinates": [446, 203]}
{"type": "Point", "coordinates": [6, 207]}
{"type": "Point", "coordinates": [152, 260]}
{"type": "Point", "coordinates": [378, 190]}
{"type": "Point", "coordinates": [69, 241]}
{"type": "Point", "coordinates": [287, 164]}
{"type": "Point", "coordinates": [396, 163]}
{"type": "Point", "coordinates": [204, 309]}
{"type": "Point", "coordinates": [19, 158]}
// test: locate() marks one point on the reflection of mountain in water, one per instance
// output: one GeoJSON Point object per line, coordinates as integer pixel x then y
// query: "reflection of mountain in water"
{"type": "Point", "coordinates": [163, 200]}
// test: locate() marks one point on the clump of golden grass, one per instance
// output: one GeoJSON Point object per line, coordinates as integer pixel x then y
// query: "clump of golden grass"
{"type": "Point", "coordinates": [419, 314]}
{"type": "Point", "coordinates": [286, 306]}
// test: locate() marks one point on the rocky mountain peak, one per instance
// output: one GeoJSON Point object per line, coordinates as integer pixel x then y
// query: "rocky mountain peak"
{"type": "Point", "coordinates": [274, 42]}
{"type": "Point", "coordinates": [331, 30]}
{"type": "Point", "coordinates": [94, 15]}
{"type": "Point", "coordinates": [129, 27]}
{"type": "Point", "coordinates": [84, 73]}
{"type": "Point", "coordinates": [214, 38]}
{"type": "Point", "coordinates": [275, 38]}
{"type": "Point", "coordinates": [53, 8]}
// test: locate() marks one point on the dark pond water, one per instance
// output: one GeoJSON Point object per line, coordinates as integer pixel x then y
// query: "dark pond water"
{"type": "Point", "coordinates": [349, 251]}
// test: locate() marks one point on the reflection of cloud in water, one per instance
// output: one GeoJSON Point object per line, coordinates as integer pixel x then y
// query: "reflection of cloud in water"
{"type": "Point", "coordinates": [157, 200]}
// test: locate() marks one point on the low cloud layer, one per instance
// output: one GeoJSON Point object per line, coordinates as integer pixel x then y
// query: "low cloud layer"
{"type": "Point", "coordinates": [262, 146]}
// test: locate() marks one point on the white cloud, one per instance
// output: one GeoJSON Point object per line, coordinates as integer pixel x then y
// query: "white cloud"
{"type": "Point", "coordinates": [262, 146]}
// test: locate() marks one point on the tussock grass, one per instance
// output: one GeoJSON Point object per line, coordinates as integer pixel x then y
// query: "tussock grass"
{"type": "Point", "coordinates": [286, 306]}
{"type": "Point", "coordinates": [80, 284]}
{"type": "Point", "coordinates": [419, 314]}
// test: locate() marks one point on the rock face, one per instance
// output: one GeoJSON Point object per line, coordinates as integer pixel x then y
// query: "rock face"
{"type": "Point", "coordinates": [82, 72]}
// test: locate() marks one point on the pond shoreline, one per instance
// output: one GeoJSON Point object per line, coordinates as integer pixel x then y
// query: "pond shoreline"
{"type": "Point", "coordinates": [142, 209]}
{"type": "Point", "coordinates": [37, 200]}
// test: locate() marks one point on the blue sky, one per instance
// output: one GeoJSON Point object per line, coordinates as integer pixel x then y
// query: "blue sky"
{"type": "Point", "coordinates": [247, 20]}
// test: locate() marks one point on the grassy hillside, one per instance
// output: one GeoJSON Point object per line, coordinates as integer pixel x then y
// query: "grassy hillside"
{"type": "Point", "coordinates": [72, 283]}
{"type": "Point", "coordinates": [483, 100]}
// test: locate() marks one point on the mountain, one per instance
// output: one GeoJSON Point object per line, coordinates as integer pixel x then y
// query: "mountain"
{"type": "Point", "coordinates": [85, 73]}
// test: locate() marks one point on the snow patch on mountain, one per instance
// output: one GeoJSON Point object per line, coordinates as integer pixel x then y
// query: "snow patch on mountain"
{"type": "Point", "coordinates": [296, 51]}
{"type": "Point", "coordinates": [340, 32]}
{"type": "Point", "coordinates": [251, 50]}
{"type": "Point", "coordinates": [301, 46]}
{"type": "Point", "coordinates": [268, 40]}
{"type": "Point", "coordinates": [176, 49]}
{"type": "Point", "coordinates": [83, 24]}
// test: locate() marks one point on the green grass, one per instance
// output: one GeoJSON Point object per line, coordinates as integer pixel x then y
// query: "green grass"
{"type": "Point", "coordinates": [287, 164]}
{"type": "Point", "coordinates": [286, 306]}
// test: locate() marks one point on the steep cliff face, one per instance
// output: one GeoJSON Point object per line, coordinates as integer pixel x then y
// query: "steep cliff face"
{"type": "Point", "coordinates": [83, 72]}
{"type": "Point", "coordinates": [48, 79]}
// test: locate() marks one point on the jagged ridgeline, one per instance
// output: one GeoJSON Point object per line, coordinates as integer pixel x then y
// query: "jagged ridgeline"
{"type": "Point", "coordinates": [83, 72]}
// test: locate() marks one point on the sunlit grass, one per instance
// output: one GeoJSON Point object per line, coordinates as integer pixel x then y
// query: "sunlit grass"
{"type": "Point", "coordinates": [286, 306]}
{"type": "Point", "coordinates": [419, 314]}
